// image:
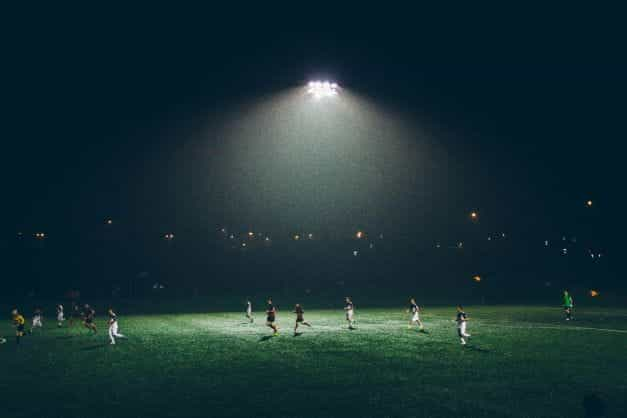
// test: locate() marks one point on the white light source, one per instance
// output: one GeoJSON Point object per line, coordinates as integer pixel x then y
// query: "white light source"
{"type": "Point", "coordinates": [320, 89]}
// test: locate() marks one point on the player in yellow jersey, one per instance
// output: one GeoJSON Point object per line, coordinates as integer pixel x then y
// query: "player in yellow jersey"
{"type": "Point", "coordinates": [18, 322]}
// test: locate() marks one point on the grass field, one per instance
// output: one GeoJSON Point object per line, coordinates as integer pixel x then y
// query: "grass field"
{"type": "Point", "coordinates": [521, 362]}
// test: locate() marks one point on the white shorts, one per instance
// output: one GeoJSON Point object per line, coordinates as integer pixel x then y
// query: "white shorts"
{"type": "Point", "coordinates": [37, 321]}
{"type": "Point", "coordinates": [60, 317]}
{"type": "Point", "coordinates": [113, 328]}
{"type": "Point", "coordinates": [415, 317]}
{"type": "Point", "coordinates": [349, 315]}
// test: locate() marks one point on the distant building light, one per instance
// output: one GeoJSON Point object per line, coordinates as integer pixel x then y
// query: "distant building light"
{"type": "Point", "coordinates": [310, 236]}
{"type": "Point", "coordinates": [296, 237]}
{"type": "Point", "coordinates": [359, 235]}
{"type": "Point", "coordinates": [546, 242]}
{"type": "Point", "coordinates": [589, 203]}
{"type": "Point", "coordinates": [355, 253]}
{"type": "Point", "coordinates": [476, 278]}
{"type": "Point", "coordinates": [564, 251]}
{"type": "Point", "coordinates": [594, 293]}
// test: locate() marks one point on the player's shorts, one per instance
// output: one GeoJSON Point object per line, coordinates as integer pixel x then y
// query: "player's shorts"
{"type": "Point", "coordinates": [301, 319]}
{"type": "Point", "coordinates": [415, 317]}
{"type": "Point", "coordinates": [19, 329]}
{"type": "Point", "coordinates": [60, 317]}
{"type": "Point", "coordinates": [349, 315]}
{"type": "Point", "coordinates": [270, 320]}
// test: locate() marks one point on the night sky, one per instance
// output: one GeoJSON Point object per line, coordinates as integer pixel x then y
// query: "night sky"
{"type": "Point", "coordinates": [189, 120]}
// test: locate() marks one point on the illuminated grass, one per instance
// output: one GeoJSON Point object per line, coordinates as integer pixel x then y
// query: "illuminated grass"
{"type": "Point", "coordinates": [522, 361]}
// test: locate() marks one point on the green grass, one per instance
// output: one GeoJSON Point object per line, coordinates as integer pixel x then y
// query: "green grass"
{"type": "Point", "coordinates": [522, 362]}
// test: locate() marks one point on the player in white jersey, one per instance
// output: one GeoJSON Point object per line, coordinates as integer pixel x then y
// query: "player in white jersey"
{"type": "Point", "coordinates": [462, 319]}
{"type": "Point", "coordinates": [249, 311]}
{"type": "Point", "coordinates": [349, 308]}
{"type": "Point", "coordinates": [113, 327]}
{"type": "Point", "coordinates": [37, 320]}
{"type": "Point", "coordinates": [414, 311]}
{"type": "Point", "coordinates": [60, 315]}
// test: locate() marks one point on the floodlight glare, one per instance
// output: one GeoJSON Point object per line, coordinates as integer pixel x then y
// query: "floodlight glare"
{"type": "Point", "coordinates": [320, 89]}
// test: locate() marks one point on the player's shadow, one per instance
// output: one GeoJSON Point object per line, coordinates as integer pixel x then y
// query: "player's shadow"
{"type": "Point", "coordinates": [477, 349]}
{"type": "Point", "coordinates": [298, 334]}
{"type": "Point", "coordinates": [266, 338]}
{"type": "Point", "coordinates": [93, 347]}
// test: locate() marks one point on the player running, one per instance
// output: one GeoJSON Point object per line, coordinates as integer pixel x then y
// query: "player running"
{"type": "Point", "coordinates": [271, 317]}
{"type": "Point", "coordinates": [249, 311]}
{"type": "Point", "coordinates": [113, 326]}
{"type": "Point", "coordinates": [462, 319]}
{"type": "Point", "coordinates": [350, 312]}
{"type": "Point", "coordinates": [37, 321]}
{"type": "Point", "coordinates": [18, 322]}
{"type": "Point", "coordinates": [414, 310]}
{"type": "Point", "coordinates": [298, 310]}
{"type": "Point", "coordinates": [89, 317]}
{"type": "Point", "coordinates": [568, 305]}
{"type": "Point", "coordinates": [60, 315]}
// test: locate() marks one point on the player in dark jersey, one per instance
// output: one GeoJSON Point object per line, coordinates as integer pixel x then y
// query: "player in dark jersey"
{"type": "Point", "coordinates": [298, 310]}
{"type": "Point", "coordinates": [349, 308]}
{"type": "Point", "coordinates": [18, 322]}
{"type": "Point", "coordinates": [271, 317]}
{"type": "Point", "coordinates": [461, 320]}
{"type": "Point", "coordinates": [414, 311]}
{"type": "Point", "coordinates": [89, 318]}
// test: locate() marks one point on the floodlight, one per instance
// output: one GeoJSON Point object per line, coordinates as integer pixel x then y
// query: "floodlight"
{"type": "Point", "coordinates": [320, 89]}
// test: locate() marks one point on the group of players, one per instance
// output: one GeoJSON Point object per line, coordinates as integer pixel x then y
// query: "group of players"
{"type": "Point", "coordinates": [349, 309]}
{"type": "Point", "coordinates": [86, 315]}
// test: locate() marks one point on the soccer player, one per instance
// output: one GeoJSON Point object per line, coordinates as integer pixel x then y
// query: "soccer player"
{"type": "Point", "coordinates": [60, 315]}
{"type": "Point", "coordinates": [18, 322]}
{"type": "Point", "coordinates": [350, 312]}
{"type": "Point", "coordinates": [89, 316]}
{"type": "Point", "coordinates": [298, 310]}
{"type": "Point", "coordinates": [568, 305]}
{"type": "Point", "coordinates": [249, 311]}
{"type": "Point", "coordinates": [113, 326]}
{"type": "Point", "coordinates": [414, 310]}
{"type": "Point", "coordinates": [271, 317]}
{"type": "Point", "coordinates": [461, 319]}
{"type": "Point", "coordinates": [37, 320]}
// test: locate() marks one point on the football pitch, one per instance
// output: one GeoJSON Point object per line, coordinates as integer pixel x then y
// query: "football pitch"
{"type": "Point", "coordinates": [522, 361]}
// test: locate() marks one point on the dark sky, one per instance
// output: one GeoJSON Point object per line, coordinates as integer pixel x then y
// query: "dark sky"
{"type": "Point", "coordinates": [101, 106]}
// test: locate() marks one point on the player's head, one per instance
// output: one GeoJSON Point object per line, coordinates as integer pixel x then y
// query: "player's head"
{"type": "Point", "coordinates": [566, 291]}
{"type": "Point", "coordinates": [14, 312]}
{"type": "Point", "coordinates": [110, 311]}
{"type": "Point", "coordinates": [412, 300]}
{"type": "Point", "coordinates": [297, 305]}
{"type": "Point", "coordinates": [347, 299]}
{"type": "Point", "coordinates": [460, 308]}
{"type": "Point", "coordinates": [269, 301]}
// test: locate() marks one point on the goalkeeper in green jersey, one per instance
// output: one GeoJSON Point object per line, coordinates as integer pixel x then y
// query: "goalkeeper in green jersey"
{"type": "Point", "coordinates": [568, 305]}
